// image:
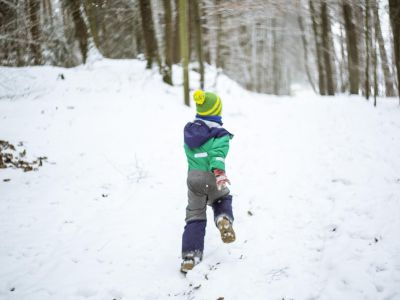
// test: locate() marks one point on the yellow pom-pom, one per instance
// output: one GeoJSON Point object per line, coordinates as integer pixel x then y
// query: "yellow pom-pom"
{"type": "Point", "coordinates": [199, 97]}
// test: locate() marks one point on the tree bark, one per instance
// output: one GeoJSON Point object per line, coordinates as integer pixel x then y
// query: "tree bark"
{"type": "Point", "coordinates": [81, 33]}
{"type": "Point", "coordinates": [183, 29]}
{"type": "Point", "coordinates": [318, 50]}
{"type": "Point", "coordinates": [219, 58]}
{"type": "Point", "coordinates": [326, 48]}
{"type": "Point", "coordinates": [275, 59]}
{"type": "Point", "coordinates": [167, 77]}
{"type": "Point", "coordinates": [138, 34]}
{"type": "Point", "coordinates": [34, 19]}
{"type": "Point", "coordinates": [389, 89]}
{"type": "Point", "coordinates": [199, 40]}
{"type": "Point", "coordinates": [48, 11]}
{"type": "Point", "coordinates": [92, 18]}
{"type": "Point", "coordinates": [177, 50]}
{"type": "Point", "coordinates": [367, 49]}
{"type": "Point", "coordinates": [7, 27]}
{"type": "Point", "coordinates": [342, 68]}
{"type": "Point", "coordinates": [254, 55]}
{"type": "Point", "coordinates": [206, 35]}
{"type": "Point", "coordinates": [394, 13]}
{"type": "Point", "coordinates": [305, 51]}
{"type": "Point", "coordinates": [352, 49]}
{"type": "Point", "coordinates": [375, 59]}
{"type": "Point", "coordinates": [151, 48]}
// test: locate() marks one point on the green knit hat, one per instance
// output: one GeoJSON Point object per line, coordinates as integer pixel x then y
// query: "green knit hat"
{"type": "Point", "coordinates": [207, 104]}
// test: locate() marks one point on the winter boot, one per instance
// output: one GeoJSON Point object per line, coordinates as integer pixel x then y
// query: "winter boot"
{"type": "Point", "coordinates": [188, 262]}
{"type": "Point", "coordinates": [226, 230]}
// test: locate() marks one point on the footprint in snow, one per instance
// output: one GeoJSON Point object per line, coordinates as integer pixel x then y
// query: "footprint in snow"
{"type": "Point", "coordinates": [278, 274]}
{"type": "Point", "coordinates": [343, 181]}
{"type": "Point", "coordinates": [85, 292]}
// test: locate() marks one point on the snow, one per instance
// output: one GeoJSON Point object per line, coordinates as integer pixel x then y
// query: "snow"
{"type": "Point", "coordinates": [316, 186]}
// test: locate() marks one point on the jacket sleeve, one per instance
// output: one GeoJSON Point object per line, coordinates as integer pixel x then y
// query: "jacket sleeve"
{"type": "Point", "coordinates": [218, 152]}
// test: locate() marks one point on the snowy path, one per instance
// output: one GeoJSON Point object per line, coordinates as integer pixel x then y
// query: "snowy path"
{"type": "Point", "coordinates": [316, 185]}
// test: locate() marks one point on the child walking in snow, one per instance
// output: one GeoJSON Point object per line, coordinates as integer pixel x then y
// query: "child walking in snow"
{"type": "Point", "coordinates": [206, 147]}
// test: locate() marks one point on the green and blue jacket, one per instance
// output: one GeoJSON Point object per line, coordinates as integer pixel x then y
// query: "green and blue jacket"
{"type": "Point", "coordinates": [206, 145]}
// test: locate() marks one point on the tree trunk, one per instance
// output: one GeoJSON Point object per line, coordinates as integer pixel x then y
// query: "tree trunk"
{"type": "Point", "coordinates": [81, 33]}
{"type": "Point", "coordinates": [20, 50]}
{"type": "Point", "coordinates": [7, 27]}
{"type": "Point", "coordinates": [34, 19]}
{"type": "Point", "coordinates": [254, 54]}
{"type": "Point", "coordinates": [318, 50]}
{"type": "Point", "coordinates": [168, 42]}
{"type": "Point", "coordinates": [151, 49]}
{"type": "Point", "coordinates": [394, 13]}
{"type": "Point", "coordinates": [326, 48]}
{"type": "Point", "coordinates": [183, 29]}
{"type": "Point", "coordinates": [206, 35]}
{"type": "Point", "coordinates": [48, 11]}
{"type": "Point", "coordinates": [199, 40]}
{"type": "Point", "coordinates": [342, 68]}
{"type": "Point", "coordinates": [138, 34]}
{"type": "Point", "coordinates": [263, 60]}
{"type": "Point", "coordinates": [90, 6]}
{"type": "Point", "coordinates": [389, 89]}
{"type": "Point", "coordinates": [375, 58]}
{"type": "Point", "coordinates": [177, 50]}
{"type": "Point", "coordinates": [305, 51]}
{"type": "Point", "coordinates": [275, 59]}
{"type": "Point", "coordinates": [367, 49]}
{"type": "Point", "coordinates": [219, 58]}
{"type": "Point", "coordinates": [352, 49]}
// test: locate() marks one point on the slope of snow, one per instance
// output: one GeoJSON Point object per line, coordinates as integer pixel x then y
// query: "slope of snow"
{"type": "Point", "coordinates": [316, 186]}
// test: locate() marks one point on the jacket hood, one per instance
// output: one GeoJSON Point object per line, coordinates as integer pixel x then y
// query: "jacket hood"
{"type": "Point", "coordinates": [197, 133]}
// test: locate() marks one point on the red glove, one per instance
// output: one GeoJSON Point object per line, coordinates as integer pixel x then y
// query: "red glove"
{"type": "Point", "coordinates": [221, 179]}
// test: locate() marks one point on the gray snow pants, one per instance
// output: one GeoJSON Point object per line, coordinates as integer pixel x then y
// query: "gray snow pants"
{"type": "Point", "coordinates": [202, 190]}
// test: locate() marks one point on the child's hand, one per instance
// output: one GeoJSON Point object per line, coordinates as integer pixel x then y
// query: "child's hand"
{"type": "Point", "coordinates": [221, 179]}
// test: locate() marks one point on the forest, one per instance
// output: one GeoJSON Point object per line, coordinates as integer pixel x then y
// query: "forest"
{"type": "Point", "coordinates": [333, 46]}
{"type": "Point", "coordinates": [112, 111]}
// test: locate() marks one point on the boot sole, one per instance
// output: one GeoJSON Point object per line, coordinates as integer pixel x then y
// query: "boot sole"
{"type": "Point", "coordinates": [227, 232]}
{"type": "Point", "coordinates": [187, 266]}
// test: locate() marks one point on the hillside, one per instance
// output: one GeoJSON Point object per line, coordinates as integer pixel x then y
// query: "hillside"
{"type": "Point", "coordinates": [316, 186]}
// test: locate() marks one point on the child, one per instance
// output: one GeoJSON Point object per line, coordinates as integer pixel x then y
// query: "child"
{"type": "Point", "coordinates": [206, 147]}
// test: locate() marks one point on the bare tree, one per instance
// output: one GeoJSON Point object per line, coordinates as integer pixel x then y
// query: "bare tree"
{"type": "Point", "coordinates": [219, 54]}
{"type": "Point", "coordinates": [90, 9]}
{"type": "Point", "coordinates": [199, 40]}
{"type": "Point", "coordinates": [318, 49]}
{"type": "Point", "coordinates": [375, 65]}
{"type": "Point", "coordinates": [394, 13]}
{"type": "Point", "coordinates": [183, 11]}
{"type": "Point", "coordinates": [8, 27]}
{"type": "Point", "coordinates": [177, 50]}
{"type": "Point", "coordinates": [168, 42]}
{"type": "Point", "coordinates": [326, 32]}
{"type": "Point", "coordinates": [389, 89]}
{"type": "Point", "coordinates": [343, 62]}
{"type": "Point", "coordinates": [275, 58]}
{"type": "Point", "coordinates": [367, 48]}
{"type": "Point", "coordinates": [305, 50]}
{"type": "Point", "coordinates": [81, 32]}
{"type": "Point", "coordinates": [352, 48]}
{"type": "Point", "coordinates": [151, 48]}
{"type": "Point", "coordinates": [34, 18]}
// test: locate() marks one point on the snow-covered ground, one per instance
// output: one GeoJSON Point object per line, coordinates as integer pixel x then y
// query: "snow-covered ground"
{"type": "Point", "coordinates": [316, 186]}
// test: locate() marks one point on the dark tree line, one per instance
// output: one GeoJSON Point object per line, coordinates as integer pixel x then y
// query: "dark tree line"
{"type": "Point", "coordinates": [267, 46]}
{"type": "Point", "coordinates": [394, 12]}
